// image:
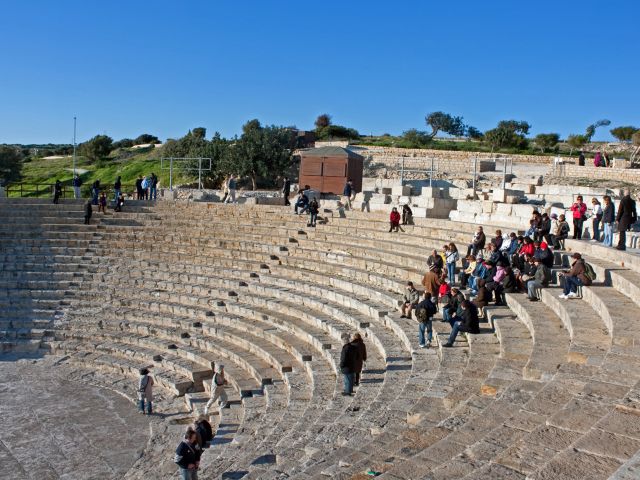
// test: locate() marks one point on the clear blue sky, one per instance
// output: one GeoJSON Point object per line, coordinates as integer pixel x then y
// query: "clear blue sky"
{"type": "Point", "coordinates": [162, 67]}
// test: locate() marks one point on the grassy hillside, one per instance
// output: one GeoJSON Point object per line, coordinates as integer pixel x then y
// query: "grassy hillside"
{"type": "Point", "coordinates": [47, 171]}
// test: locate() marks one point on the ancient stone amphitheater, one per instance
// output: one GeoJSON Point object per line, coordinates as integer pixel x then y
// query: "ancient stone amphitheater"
{"type": "Point", "coordinates": [547, 390]}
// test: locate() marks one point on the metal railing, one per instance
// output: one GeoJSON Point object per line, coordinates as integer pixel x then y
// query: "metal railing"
{"type": "Point", "coordinates": [45, 190]}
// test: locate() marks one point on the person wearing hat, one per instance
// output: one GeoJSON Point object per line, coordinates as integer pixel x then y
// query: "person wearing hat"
{"type": "Point", "coordinates": [431, 281]}
{"type": "Point", "coordinates": [574, 277]}
{"type": "Point", "coordinates": [540, 280]}
{"type": "Point", "coordinates": [217, 390]}
{"type": "Point", "coordinates": [145, 391]}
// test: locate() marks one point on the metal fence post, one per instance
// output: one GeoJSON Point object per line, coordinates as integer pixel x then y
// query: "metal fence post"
{"type": "Point", "coordinates": [171, 174]}
{"type": "Point", "coordinates": [199, 174]}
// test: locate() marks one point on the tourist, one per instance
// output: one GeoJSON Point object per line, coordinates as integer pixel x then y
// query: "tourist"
{"type": "Point", "coordinates": [453, 306]}
{"type": "Point", "coordinates": [527, 248]}
{"type": "Point", "coordinates": [493, 255]}
{"type": "Point", "coordinates": [606, 160]}
{"type": "Point", "coordinates": [139, 190]}
{"type": "Point", "coordinates": [145, 188]}
{"type": "Point", "coordinates": [581, 160]}
{"type": "Point", "coordinates": [541, 279]}
{"type": "Point", "coordinates": [218, 392]}
{"type": "Point", "coordinates": [468, 270]}
{"type": "Point", "coordinates": [231, 186]}
{"type": "Point", "coordinates": [88, 211]}
{"type": "Point", "coordinates": [314, 208]}
{"type": "Point", "coordinates": [362, 357]}
{"type": "Point", "coordinates": [435, 260]}
{"type": "Point", "coordinates": [77, 183]}
{"type": "Point", "coordinates": [467, 322]}
{"type": "Point", "coordinates": [494, 283]}
{"type": "Point", "coordinates": [409, 300]}
{"type": "Point", "coordinates": [188, 456]}
{"type": "Point", "coordinates": [349, 358]}
{"type": "Point", "coordinates": [394, 221]}
{"type": "Point", "coordinates": [203, 431]}
{"type": "Point", "coordinates": [286, 191]}
{"type": "Point", "coordinates": [117, 188]}
{"type": "Point", "coordinates": [347, 192]}
{"type": "Point", "coordinates": [596, 218]}
{"type": "Point", "coordinates": [431, 282]}
{"type": "Point", "coordinates": [531, 231]}
{"type": "Point", "coordinates": [574, 278]}
{"type": "Point", "coordinates": [451, 256]}
{"type": "Point", "coordinates": [483, 297]}
{"type": "Point", "coordinates": [526, 272]}
{"type": "Point", "coordinates": [544, 229]}
{"type": "Point", "coordinates": [57, 191]}
{"type": "Point", "coordinates": [145, 391]}
{"type": "Point", "coordinates": [563, 228]}
{"type": "Point", "coordinates": [407, 215]}
{"type": "Point", "coordinates": [102, 203]}
{"type": "Point", "coordinates": [225, 189]}
{"type": "Point", "coordinates": [477, 244]}
{"type": "Point", "coordinates": [608, 219]}
{"type": "Point", "coordinates": [481, 271]}
{"type": "Point", "coordinates": [444, 291]}
{"type": "Point", "coordinates": [579, 209]}
{"type": "Point", "coordinates": [95, 192]}
{"type": "Point", "coordinates": [119, 203]}
{"type": "Point", "coordinates": [425, 310]}
{"type": "Point", "coordinates": [302, 203]}
{"type": "Point", "coordinates": [544, 254]}
{"type": "Point", "coordinates": [597, 160]}
{"type": "Point", "coordinates": [498, 240]}
{"type": "Point", "coordinates": [153, 187]}
{"type": "Point", "coordinates": [627, 216]}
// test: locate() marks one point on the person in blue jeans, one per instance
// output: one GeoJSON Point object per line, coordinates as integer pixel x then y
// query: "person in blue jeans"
{"type": "Point", "coordinates": [608, 220]}
{"type": "Point", "coordinates": [349, 359]}
{"type": "Point", "coordinates": [425, 310]}
{"type": "Point", "coordinates": [145, 391]}
{"type": "Point", "coordinates": [314, 208]}
{"type": "Point", "coordinates": [453, 307]}
{"type": "Point", "coordinates": [467, 322]}
{"type": "Point", "coordinates": [574, 277]}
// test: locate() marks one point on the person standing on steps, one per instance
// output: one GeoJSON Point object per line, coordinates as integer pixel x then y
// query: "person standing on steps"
{"type": "Point", "coordinates": [77, 183]}
{"type": "Point", "coordinates": [581, 159]}
{"type": "Point", "coordinates": [117, 188]}
{"type": "Point", "coordinates": [102, 203]}
{"type": "Point", "coordinates": [218, 391]}
{"type": "Point", "coordinates": [119, 203]}
{"type": "Point", "coordinates": [347, 192]}
{"type": "Point", "coordinates": [188, 455]}
{"type": "Point", "coordinates": [451, 256]}
{"type": "Point", "coordinates": [596, 218]}
{"type": "Point", "coordinates": [608, 220]}
{"type": "Point", "coordinates": [362, 357]}
{"type": "Point", "coordinates": [153, 187]}
{"type": "Point", "coordinates": [425, 310]}
{"type": "Point", "coordinates": [145, 391]}
{"type": "Point", "coordinates": [88, 211]}
{"type": "Point", "coordinates": [467, 322]}
{"type": "Point", "coordinates": [407, 215]}
{"type": "Point", "coordinates": [314, 208]}
{"type": "Point", "coordinates": [139, 191]}
{"type": "Point", "coordinates": [431, 282]}
{"type": "Point", "coordinates": [286, 190]}
{"type": "Point", "coordinates": [57, 191]}
{"type": "Point", "coordinates": [394, 221]}
{"type": "Point", "coordinates": [574, 278]}
{"type": "Point", "coordinates": [627, 216]}
{"type": "Point", "coordinates": [231, 185]}
{"type": "Point", "coordinates": [579, 209]}
{"type": "Point", "coordinates": [349, 358]}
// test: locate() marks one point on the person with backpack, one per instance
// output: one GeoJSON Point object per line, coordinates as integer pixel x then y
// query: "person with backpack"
{"type": "Point", "coordinates": [188, 455]}
{"type": "Point", "coordinates": [579, 209]}
{"type": "Point", "coordinates": [314, 208]}
{"type": "Point", "coordinates": [608, 220]}
{"type": "Point", "coordinates": [77, 183]}
{"type": "Point", "coordinates": [349, 359]}
{"type": "Point", "coordinates": [145, 391]}
{"type": "Point", "coordinates": [409, 300]}
{"type": "Point", "coordinates": [541, 279]}
{"type": "Point", "coordinates": [580, 274]}
{"type": "Point", "coordinates": [203, 431]}
{"type": "Point", "coordinates": [218, 392]}
{"type": "Point", "coordinates": [362, 349]}
{"type": "Point", "coordinates": [627, 216]}
{"type": "Point", "coordinates": [467, 322]}
{"type": "Point", "coordinates": [425, 310]}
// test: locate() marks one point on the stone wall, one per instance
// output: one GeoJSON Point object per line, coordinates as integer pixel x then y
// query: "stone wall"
{"type": "Point", "coordinates": [628, 175]}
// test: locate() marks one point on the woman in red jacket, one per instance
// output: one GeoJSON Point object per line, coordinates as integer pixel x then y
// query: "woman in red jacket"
{"type": "Point", "coordinates": [579, 209]}
{"type": "Point", "coordinates": [394, 220]}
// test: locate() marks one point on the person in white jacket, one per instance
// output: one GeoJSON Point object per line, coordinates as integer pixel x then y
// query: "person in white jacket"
{"type": "Point", "coordinates": [217, 389]}
{"type": "Point", "coordinates": [596, 218]}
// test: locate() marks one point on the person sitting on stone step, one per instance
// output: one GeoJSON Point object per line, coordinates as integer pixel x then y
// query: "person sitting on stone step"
{"type": "Point", "coordinates": [203, 431]}
{"type": "Point", "coordinates": [302, 203]}
{"type": "Point", "coordinates": [483, 297]}
{"type": "Point", "coordinates": [466, 322]}
{"type": "Point", "coordinates": [425, 310]}
{"type": "Point", "coordinates": [218, 392]}
{"type": "Point", "coordinates": [574, 277]}
{"type": "Point", "coordinates": [188, 455]}
{"type": "Point", "coordinates": [145, 391]}
{"type": "Point", "coordinates": [478, 242]}
{"type": "Point", "coordinates": [452, 307]}
{"type": "Point", "coordinates": [410, 299]}
{"type": "Point", "coordinates": [544, 254]}
{"type": "Point", "coordinates": [349, 358]}
{"type": "Point", "coordinates": [394, 221]}
{"type": "Point", "coordinates": [498, 240]}
{"type": "Point", "coordinates": [362, 358]}
{"type": "Point", "coordinates": [469, 265]}
{"type": "Point", "coordinates": [540, 280]}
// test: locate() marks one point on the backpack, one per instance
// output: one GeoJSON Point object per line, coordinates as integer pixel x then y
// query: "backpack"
{"type": "Point", "coordinates": [589, 272]}
{"type": "Point", "coordinates": [423, 314]}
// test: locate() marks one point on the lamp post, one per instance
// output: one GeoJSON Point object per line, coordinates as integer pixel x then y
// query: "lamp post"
{"type": "Point", "coordinates": [74, 147]}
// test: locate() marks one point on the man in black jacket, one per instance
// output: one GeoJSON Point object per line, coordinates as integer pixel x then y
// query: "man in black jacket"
{"type": "Point", "coordinates": [349, 360]}
{"type": "Point", "coordinates": [188, 455]}
{"type": "Point", "coordinates": [467, 322]}
{"type": "Point", "coordinates": [286, 190]}
{"type": "Point", "coordinates": [477, 244]}
{"type": "Point", "coordinates": [626, 217]}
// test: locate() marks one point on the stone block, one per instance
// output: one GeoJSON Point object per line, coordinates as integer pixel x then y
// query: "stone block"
{"type": "Point", "coordinates": [425, 202]}
{"type": "Point", "coordinates": [386, 190]}
{"type": "Point", "coordinates": [470, 206]}
{"type": "Point", "coordinates": [404, 200]}
{"type": "Point", "coordinates": [401, 190]}
{"type": "Point", "coordinates": [487, 207]}
{"type": "Point", "coordinates": [432, 192]}
{"type": "Point", "coordinates": [419, 212]}
{"type": "Point", "coordinates": [380, 199]}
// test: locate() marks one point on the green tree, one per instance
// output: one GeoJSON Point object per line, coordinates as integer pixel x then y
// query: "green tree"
{"type": "Point", "coordinates": [146, 138]}
{"type": "Point", "coordinates": [547, 141]}
{"type": "Point", "coordinates": [10, 163]}
{"type": "Point", "coordinates": [576, 142]}
{"type": "Point", "coordinates": [323, 121]}
{"type": "Point", "coordinates": [444, 122]}
{"type": "Point", "coordinates": [337, 132]}
{"type": "Point", "coordinates": [199, 132]}
{"type": "Point", "coordinates": [624, 134]}
{"type": "Point", "coordinates": [261, 152]}
{"type": "Point", "coordinates": [508, 134]}
{"type": "Point", "coordinates": [124, 143]}
{"type": "Point", "coordinates": [591, 129]}
{"type": "Point", "coordinates": [97, 148]}
{"type": "Point", "coordinates": [473, 133]}
{"type": "Point", "coordinates": [414, 138]}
